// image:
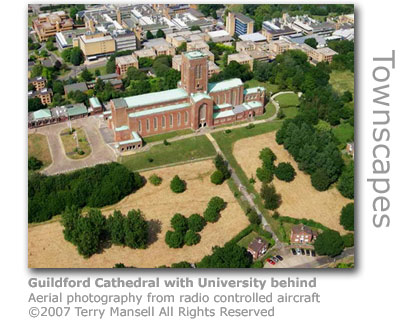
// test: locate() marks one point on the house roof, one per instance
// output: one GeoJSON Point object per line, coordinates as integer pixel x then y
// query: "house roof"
{"type": "Point", "coordinates": [135, 138]}
{"type": "Point", "coordinates": [81, 86]}
{"type": "Point", "coordinates": [156, 97]}
{"type": "Point", "coordinates": [94, 102]}
{"type": "Point", "coordinates": [200, 96]}
{"type": "Point", "coordinates": [253, 90]}
{"type": "Point", "coordinates": [76, 109]}
{"type": "Point", "coordinates": [257, 244]}
{"type": "Point", "coordinates": [224, 85]}
{"type": "Point", "coordinates": [41, 114]}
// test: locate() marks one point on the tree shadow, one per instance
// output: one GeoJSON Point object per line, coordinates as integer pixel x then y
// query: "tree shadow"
{"type": "Point", "coordinates": [154, 227]}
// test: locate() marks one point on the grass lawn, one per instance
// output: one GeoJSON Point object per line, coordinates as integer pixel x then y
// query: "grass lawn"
{"type": "Point", "coordinates": [178, 151]}
{"type": "Point", "coordinates": [101, 69]}
{"type": "Point", "coordinates": [244, 242]}
{"type": "Point", "coordinates": [290, 112]}
{"type": "Point", "coordinates": [287, 100]}
{"type": "Point", "coordinates": [226, 142]}
{"type": "Point", "coordinates": [38, 148]}
{"type": "Point", "coordinates": [168, 135]}
{"type": "Point", "coordinates": [70, 143]}
{"type": "Point", "coordinates": [344, 133]}
{"type": "Point", "coordinates": [342, 81]}
{"type": "Point", "coordinates": [272, 88]}
{"type": "Point", "coordinates": [270, 110]}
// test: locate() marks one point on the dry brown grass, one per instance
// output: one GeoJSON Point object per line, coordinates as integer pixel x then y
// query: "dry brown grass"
{"type": "Point", "coordinates": [38, 147]}
{"type": "Point", "coordinates": [47, 247]}
{"type": "Point", "coordinates": [299, 198]}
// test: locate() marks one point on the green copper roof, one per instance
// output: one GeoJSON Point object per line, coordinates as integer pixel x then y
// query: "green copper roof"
{"type": "Point", "coordinates": [123, 128]}
{"type": "Point", "coordinates": [223, 114]}
{"type": "Point", "coordinates": [252, 105]}
{"type": "Point", "coordinates": [156, 97]}
{"type": "Point", "coordinates": [200, 96]}
{"type": "Point", "coordinates": [222, 106]}
{"type": "Point", "coordinates": [41, 114]}
{"type": "Point", "coordinates": [76, 109]}
{"type": "Point", "coordinates": [195, 54]}
{"type": "Point", "coordinates": [159, 110]}
{"type": "Point", "coordinates": [94, 102]}
{"type": "Point", "coordinates": [224, 85]}
{"type": "Point", "coordinates": [253, 90]}
{"type": "Point", "coordinates": [136, 138]}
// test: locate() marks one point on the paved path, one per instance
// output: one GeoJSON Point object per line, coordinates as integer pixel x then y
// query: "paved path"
{"type": "Point", "coordinates": [100, 153]}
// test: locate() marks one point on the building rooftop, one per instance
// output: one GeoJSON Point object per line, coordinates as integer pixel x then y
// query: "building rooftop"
{"type": "Point", "coordinates": [94, 102]}
{"type": "Point", "coordinates": [81, 86]}
{"type": "Point", "coordinates": [76, 109]}
{"type": "Point", "coordinates": [253, 90]}
{"type": "Point", "coordinates": [326, 51]}
{"type": "Point", "coordinates": [126, 60]}
{"type": "Point", "coordinates": [41, 114]}
{"type": "Point", "coordinates": [256, 37]}
{"type": "Point", "coordinates": [159, 110]}
{"type": "Point", "coordinates": [242, 17]}
{"type": "Point", "coordinates": [123, 128]}
{"type": "Point", "coordinates": [224, 85]}
{"type": "Point", "coordinates": [223, 114]}
{"type": "Point", "coordinates": [156, 97]}
{"type": "Point", "coordinates": [200, 96]}
{"type": "Point", "coordinates": [135, 138]}
{"type": "Point", "coordinates": [194, 55]}
{"type": "Point", "coordinates": [257, 244]}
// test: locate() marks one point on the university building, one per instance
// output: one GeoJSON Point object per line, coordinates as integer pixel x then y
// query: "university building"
{"type": "Point", "coordinates": [194, 104]}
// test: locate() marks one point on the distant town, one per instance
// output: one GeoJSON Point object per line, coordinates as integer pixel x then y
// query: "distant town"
{"type": "Point", "coordinates": [214, 126]}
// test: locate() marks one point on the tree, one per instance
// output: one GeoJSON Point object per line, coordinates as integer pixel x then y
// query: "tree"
{"type": "Point", "coordinates": [329, 243]}
{"type": "Point", "coordinates": [181, 48]}
{"type": "Point", "coordinates": [115, 225]}
{"type": "Point", "coordinates": [253, 216]}
{"type": "Point", "coordinates": [174, 239]}
{"type": "Point", "coordinates": [229, 256]}
{"type": "Point", "coordinates": [285, 171]}
{"type": "Point", "coordinates": [320, 180]}
{"type": "Point", "coordinates": [149, 35]}
{"type": "Point", "coordinates": [97, 73]}
{"type": "Point", "coordinates": [217, 177]}
{"type": "Point", "coordinates": [196, 222]}
{"type": "Point", "coordinates": [347, 217]}
{"type": "Point", "coordinates": [179, 223]}
{"type": "Point", "coordinates": [191, 238]}
{"type": "Point", "coordinates": [195, 28]}
{"type": "Point", "coordinates": [348, 240]}
{"type": "Point", "coordinates": [216, 203]}
{"type": "Point", "coordinates": [312, 42]}
{"type": "Point", "coordinates": [136, 230]}
{"type": "Point", "coordinates": [58, 87]}
{"type": "Point", "coordinates": [272, 200]}
{"type": "Point", "coordinates": [182, 264]}
{"type": "Point", "coordinates": [77, 57]}
{"type": "Point", "coordinates": [34, 163]}
{"type": "Point", "coordinates": [73, 12]}
{"type": "Point", "coordinates": [37, 70]}
{"type": "Point", "coordinates": [155, 179]}
{"type": "Point", "coordinates": [110, 66]}
{"type": "Point", "coordinates": [222, 166]}
{"type": "Point", "coordinates": [160, 34]}
{"type": "Point", "coordinates": [86, 75]}
{"type": "Point", "coordinates": [34, 104]}
{"type": "Point", "coordinates": [177, 185]}
{"type": "Point", "coordinates": [267, 156]}
{"type": "Point", "coordinates": [346, 182]}
{"type": "Point", "coordinates": [264, 174]}
{"type": "Point", "coordinates": [211, 215]}
{"type": "Point", "coordinates": [66, 54]}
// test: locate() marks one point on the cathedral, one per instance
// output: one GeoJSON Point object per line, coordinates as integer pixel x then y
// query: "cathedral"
{"type": "Point", "coordinates": [195, 104]}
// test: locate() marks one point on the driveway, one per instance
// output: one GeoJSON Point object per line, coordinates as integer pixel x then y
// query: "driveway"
{"type": "Point", "coordinates": [101, 153]}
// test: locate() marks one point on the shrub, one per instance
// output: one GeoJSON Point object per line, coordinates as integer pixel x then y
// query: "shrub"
{"type": "Point", "coordinates": [347, 217]}
{"type": "Point", "coordinates": [217, 203]}
{"type": "Point", "coordinates": [227, 131]}
{"type": "Point", "coordinates": [253, 216]}
{"type": "Point", "coordinates": [320, 180]}
{"type": "Point", "coordinates": [179, 223]}
{"type": "Point", "coordinates": [211, 215]}
{"type": "Point", "coordinates": [191, 238]}
{"type": "Point", "coordinates": [267, 156]}
{"type": "Point", "coordinates": [150, 159]}
{"type": "Point", "coordinates": [285, 171]}
{"type": "Point", "coordinates": [139, 180]}
{"type": "Point", "coordinates": [136, 230]}
{"type": "Point", "coordinates": [250, 126]}
{"type": "Point", "coordinates": [155, 179]}
{"type": "Point", "coordinates": [229, 256]}
{"type": "Point", "coordinates": [182, 264]}
{"type": "Point", "coordinates": [264, 174]}
{"type": "Point", "coordinates": [257, 264]}
{"type": "Point", "coordinates": [217, 177]}
{"type": "Point", "coordinates": [166, 142]}
{"type": "Point", "coordinates": [348, 240]}
{"type": "Point", "coordinates": [34, 163]}
{"type": "Point", "coordinates": [272, 200]}
{"type": "Point", "coordinates": [222, 166]}
{"type": "Point", "coordinates": [346, 182]}
{"type": "Point", "coordinates": [177, 185]}
{"type": "Point", "coordinates": [329, 243]}
{"type": "Point", "coordinates": [174, 239]}
{"type": "Point", "coordinates": [196, 222]}
{"type": "Point", "coordinates": [252, 180]}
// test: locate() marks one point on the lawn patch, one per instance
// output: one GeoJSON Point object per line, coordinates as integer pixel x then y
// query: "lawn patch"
{"type": "Point", "coordinates": [290, 112]}
{"type": "Point", "coordinates": [75, 150]}
{"type": "Point", "coordinates": [342, 81]}
{"type": "Point", "coordinates": [167, 135]}
{"type": "Point", "coordinates": [288, 100]}
{"type": "Point", "coordinates": [344, 133]}
{"type": "Point", "coordinates": [271, 88]}
{"type": "Point", "coordinates": [38, 148]}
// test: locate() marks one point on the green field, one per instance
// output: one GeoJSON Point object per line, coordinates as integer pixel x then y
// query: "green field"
{"type": "Point", "coordinates": [226, 142]}
{"type": "Point", "coordinates": [168, 135]}
{"type": "Point", "coordinates": [70, 143]}
{"type": "Point", "coordinates": [342, 81]}
{"type": "Point", "coordinates": [178, 151]}
{"type": "Point", "coordinates": [272, 88]}
{"type": "Point", "coordinates": [290, 112]}
{"type": "Point", "coordinates": [287, 100]}
{"type": "Point", "coordinates": [38, 148]}
{"type": "Point", "coordinates": [101, 69]}
{"type": "Point", "coordinates": [344, 133]}
{"type": "Point", "coordinates": [270, 110]}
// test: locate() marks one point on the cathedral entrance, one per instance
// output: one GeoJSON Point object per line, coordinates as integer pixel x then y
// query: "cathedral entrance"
{"type": "Point", "coordinates": [202, 116]}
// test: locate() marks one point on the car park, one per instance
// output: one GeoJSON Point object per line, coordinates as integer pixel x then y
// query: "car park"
{"type": "Point", "coordinates": [280, 258]}
{"type": "Point", "coordinates": [275, 259]}
{"type": "Point", "coordinates": [298, 250]}
{"type": "Point", "coordinates": [270, 261]}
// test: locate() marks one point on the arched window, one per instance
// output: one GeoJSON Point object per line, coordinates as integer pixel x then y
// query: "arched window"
{"type": "Point", "coordinates": [147, 125]}
{"type": "Point", "coordinates": [163, 121]}
{"type": "Point", "coordinates": [202, 112]}
{"type": "Point", "coordinates": [179, 118]}
{"type": "Point", "coordinates": [186, 116]}
{"type": "Point", "coordinates": [171, 120]}
{"type": "Point", "coordinates": [233, 99]}
{"type": "Point", "coordinates": [155, 123]}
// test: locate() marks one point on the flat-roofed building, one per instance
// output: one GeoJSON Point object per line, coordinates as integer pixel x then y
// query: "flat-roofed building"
{"type": "Point", "coordinates": [238, 23]}
{"type": "Point", "coordinates": [197, 45]}
{"type": "Point", "coordinates": [48, 24]}
{"type": "Point", "coordinates": [244, 46]}
{"type": "Point", "coordinates": [211, 66]}
{"type": "Point", "coordinates": [280, 46]}
{"type": "Point", "coordinates": [124, 40]}
{"type": "Point", "coordinates": [124, 62]}
{"type": "Point", "coordinates": [273, 30]}
{"type": "Point", "coordinates": [68, 39]}
{"type": "Point", "coordinates": [241, 58]}
{"type": "Point", "coordinates": [322, 55]}
{"type": "Point", "coordinates": [44, 94]}
{"type": "Point", "coordinates": [96, 44]}
{"type": "Point", "coordinates": [95, 106]}
{"type": "Point", "coordinates": [38, 82]}
{"type": "Point", "coordinates": [145, 53]}
{"type": "Point", "coordinates": [220, 36]}
{"type": "Point", "coordinates": [258, 55]}
{"type": "Point", "coordinates": [79, 86]}
{"type": "Point", "coordinates": [160, 46]}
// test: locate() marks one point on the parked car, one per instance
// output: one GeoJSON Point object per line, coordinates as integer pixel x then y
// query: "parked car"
{"type": "Point", "coordinates": [280, 258]}
{"type": "Point", "coordinates": [293, 251]}
{"type": "Point", "coordinates": [275, 259]}
{"type": "Point", "coordinates": [298, 251]}
{"type": "Point", "coordinates": [302, 252]}
{"type": "Point", "coordinates": [307, 252]}
{"type": "Point", "coordinates": [313, 253]}
{"type": "Point", "coordinates": [270, 261]}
